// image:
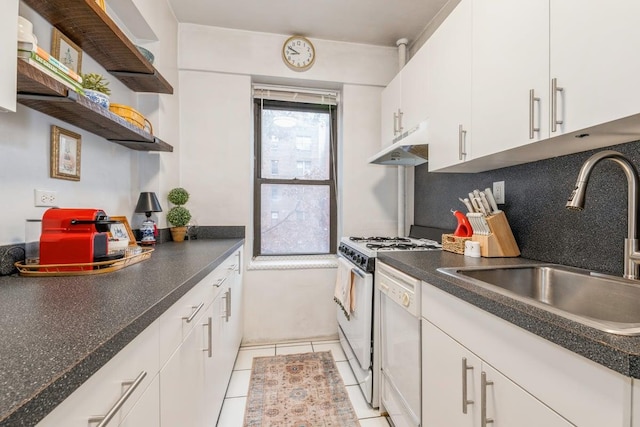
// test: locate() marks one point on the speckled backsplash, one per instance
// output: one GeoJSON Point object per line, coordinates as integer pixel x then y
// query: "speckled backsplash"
{"type": "Point", "coordinates": [536, 194]}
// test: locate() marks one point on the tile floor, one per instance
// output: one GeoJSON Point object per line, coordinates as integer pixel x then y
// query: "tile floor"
{"type": "Point", "coordinates": [232, 413]}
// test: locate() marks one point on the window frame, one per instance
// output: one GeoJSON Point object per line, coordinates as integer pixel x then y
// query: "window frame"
{"type": "Point", "coordinates": [331, 182]}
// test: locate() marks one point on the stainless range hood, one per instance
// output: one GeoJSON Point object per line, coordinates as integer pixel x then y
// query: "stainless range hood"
{"type": "Point", "coordinates": [408, 149]}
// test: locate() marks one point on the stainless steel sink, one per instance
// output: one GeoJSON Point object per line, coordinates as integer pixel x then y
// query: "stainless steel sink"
{"type": "Point", "coordinates": [607, 303]}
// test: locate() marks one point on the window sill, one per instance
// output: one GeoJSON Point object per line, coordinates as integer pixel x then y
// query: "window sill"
{"type": "Point", "coordinates": [293, 262]}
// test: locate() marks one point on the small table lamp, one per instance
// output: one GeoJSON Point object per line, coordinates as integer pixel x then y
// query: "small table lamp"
{"type": "Point", "coordinates": [147, 203]}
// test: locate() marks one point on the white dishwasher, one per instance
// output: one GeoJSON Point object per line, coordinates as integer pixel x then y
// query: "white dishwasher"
{"type": "Point", "coordinates": [400, 345]}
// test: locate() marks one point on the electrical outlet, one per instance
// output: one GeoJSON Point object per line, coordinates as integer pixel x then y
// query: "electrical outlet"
{"type": "Point", "coordinates": [45, 198]}
{"type": "Point", "coordinates": [498, 192]}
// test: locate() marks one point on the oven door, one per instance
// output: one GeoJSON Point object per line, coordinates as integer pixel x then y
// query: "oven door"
{"type": "Point", "coordinates": [357, 329]}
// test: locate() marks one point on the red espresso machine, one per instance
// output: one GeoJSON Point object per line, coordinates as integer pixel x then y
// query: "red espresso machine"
{"type": "Point", "coordinates": [74, 236]}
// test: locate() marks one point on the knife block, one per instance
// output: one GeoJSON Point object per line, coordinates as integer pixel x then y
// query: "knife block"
{"type": "Point", "coordinates": [500, 243]}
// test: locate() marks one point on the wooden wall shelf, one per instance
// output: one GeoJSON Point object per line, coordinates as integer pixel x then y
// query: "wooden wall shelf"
{"type": "Point", "coordinates": [87, 25]}
{"type": "Point", "coordinates": [42, 93]}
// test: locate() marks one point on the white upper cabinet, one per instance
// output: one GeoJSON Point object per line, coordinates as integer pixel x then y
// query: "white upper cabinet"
{"type": "Point", "coordinates": [448, 89]}
{"type": "Point", "coordinates": [391, 111]}
{"type": "Point", "coordinates": [8, 54]}
{"type": "Point", "coordinates": [414, 90]}
{"type": "Point", "coordinates": [510, 89]}
{"type": "Point", "coordinates": [403, 102]}
{"type": "Point", "coordinates": [544, 72]}
{"type": "Point", "coordinates": [594, 57]}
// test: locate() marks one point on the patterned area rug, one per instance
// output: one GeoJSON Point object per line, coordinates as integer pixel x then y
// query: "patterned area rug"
{"type": "Point", "coordinates": [298, 390]}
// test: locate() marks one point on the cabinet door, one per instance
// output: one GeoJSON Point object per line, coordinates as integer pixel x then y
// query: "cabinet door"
{"type": "Point", "coordinates": [507, 404]}
{"type": "Point", "coordinates": [414, 90]}
{"type": "Point", "coordinates": [390, 107]}
{"type": "Point", "coordinates": [449, 89]}
{"type": "Point", "coordinates": [446, 366]}
{"type": "Point", "coordinates": [216, 373]}
{"type": "Point", "coordinates": [594, 56]}
{"type": "Point", "coordinates": [8, 57]}
{"type": "Point", "coordinates": [510, 58]}
{"type": "Point", "coordinates": [181, 382]}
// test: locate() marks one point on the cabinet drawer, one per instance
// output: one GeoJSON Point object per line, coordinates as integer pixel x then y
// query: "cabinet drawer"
{"type": "Point", "coordinates": [103, 389]}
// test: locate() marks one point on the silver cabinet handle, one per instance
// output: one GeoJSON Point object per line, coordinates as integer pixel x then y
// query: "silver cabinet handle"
{"type": "Point", "coordinates": [209, 326]}
{"type": "Point", "coordinates": [220, 282]}
{"type": "Point", "coordinates": [239, 254]}
{"type": "Point", "coordinates": [397, 122]}
{"type": "Point", "coordinates": [104, 420]}
{"type": "Point", "coordinates": [554, 104]}
{"type": "Point", "coordinates": [461, 142]}
{"type": "Point", "coordinates": [227, 305]}
{"type": "Point", "coordinates": [465, 401]}
{"type": "Point", "coordinates": [484, 383]}
{"type": "Point", "coordinates": [532, 106]}
{"type": "Point", "coordinates": [193, 315]}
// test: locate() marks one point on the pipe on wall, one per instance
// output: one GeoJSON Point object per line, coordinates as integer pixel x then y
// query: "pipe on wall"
{"type": "Point", "coordinates": [402, 170]}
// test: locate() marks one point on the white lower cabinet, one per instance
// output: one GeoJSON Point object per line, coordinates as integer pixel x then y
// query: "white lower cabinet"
{"type": "Point", "coordinates": [176, 371]}
{"type": "Point", "coordinates": [107, 389]}
{"type": "Point", "coordinates": [459, 389]}
{"type": "Point", "coordinates": [194, 380]}
{"type": "Point", "coordinates": [530, 380]}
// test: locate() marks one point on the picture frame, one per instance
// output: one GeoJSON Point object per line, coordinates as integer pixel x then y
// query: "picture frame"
{"type": "Point", "coordinates": [65, 154]}
{"type": "Point", "coordinates": [66, 51]}
{"type": "Point", "coordinates": [122, 230]}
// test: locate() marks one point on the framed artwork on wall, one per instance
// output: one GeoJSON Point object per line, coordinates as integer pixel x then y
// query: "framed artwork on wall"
{"type": "Point", "coordinates": [65, 154]}
{"type": "Point", "coordinates": [66, 51]}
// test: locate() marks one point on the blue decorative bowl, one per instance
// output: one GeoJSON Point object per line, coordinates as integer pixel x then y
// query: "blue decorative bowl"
{"type": "Point", "coordinates": [97, 97]}
{"type": "Point", "coordinates": [146, 53]}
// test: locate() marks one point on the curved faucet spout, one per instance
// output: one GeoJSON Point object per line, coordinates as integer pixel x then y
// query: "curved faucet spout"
{"type": "Point", "coordinates": [577, 197]}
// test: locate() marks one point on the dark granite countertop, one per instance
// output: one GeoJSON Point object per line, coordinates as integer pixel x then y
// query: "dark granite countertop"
{"type": "Point", "coordinates": [56, 332]}
{"type": "Point", "coordinates": [616, 352]}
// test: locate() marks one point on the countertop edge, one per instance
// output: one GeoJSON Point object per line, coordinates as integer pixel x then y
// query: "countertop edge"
{"type": "Point", "coordinates": [37, 406]}
{"type": "Point", "coordinates": [618, 353]}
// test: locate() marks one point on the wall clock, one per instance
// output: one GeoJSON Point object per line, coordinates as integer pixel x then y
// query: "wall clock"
{"type": "Point", "coordinates": [298, 53]}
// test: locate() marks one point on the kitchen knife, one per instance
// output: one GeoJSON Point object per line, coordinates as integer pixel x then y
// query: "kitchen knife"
{"type": "Point", "coordinates": [467, 203]}
{"type": "Point", "coordinates": [472, 199]}
{"type": "Point", "coordinates": [483, 211]}
{"type": "Point", "coordinates": [492, 200]}
{"type": "Point", "coordinates": [485, 203]}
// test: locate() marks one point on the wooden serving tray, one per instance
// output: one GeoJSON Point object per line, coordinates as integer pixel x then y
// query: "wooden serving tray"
{"type": "Point", "coordinates": [53, 270]}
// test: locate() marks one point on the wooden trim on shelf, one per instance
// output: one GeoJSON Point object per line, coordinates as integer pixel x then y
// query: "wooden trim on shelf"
{"type": "Point", "coordinates": [43, 93]}
{"type": "Point", "coordinates": [87, 25]}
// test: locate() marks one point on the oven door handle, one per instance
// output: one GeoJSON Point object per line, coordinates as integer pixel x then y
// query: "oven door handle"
{"type": "Point", "coordinates": [359, 272]}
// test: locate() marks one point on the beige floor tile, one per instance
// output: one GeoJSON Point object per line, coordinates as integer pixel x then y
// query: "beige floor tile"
{"type": "Point", "coordinates": [362, 408]}
{"type": "Point", "coordinates": [232, 414]}
{"type": "Point", "coordinates": [245, 357]}
{"type": "Point", "coordinates": [334, 347]}
{"type": "Point", "coordinates": [346, 373]}
{"type": "Point", "coordinates": [239, 383]}
{"type": "Point", "coordinates": [374, 422]}
{"type": "Point", "coordinates": [293, 349]}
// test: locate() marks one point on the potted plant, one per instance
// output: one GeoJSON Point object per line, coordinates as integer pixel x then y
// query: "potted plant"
{"type": "Point", "coordinates": [178, 216]}
{"type": "Point", "coordinates": [95, 88]}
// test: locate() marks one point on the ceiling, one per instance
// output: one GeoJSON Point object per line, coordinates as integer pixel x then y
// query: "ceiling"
{"type": "Point", "coordinates": [376, 22]}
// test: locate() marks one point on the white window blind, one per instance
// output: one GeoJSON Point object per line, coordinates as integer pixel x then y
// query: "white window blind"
{"type": "Point", "coordinates": [295, 94]}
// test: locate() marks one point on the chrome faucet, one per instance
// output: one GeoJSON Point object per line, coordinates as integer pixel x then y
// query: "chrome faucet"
{"type": "Point", "coordinates": [576, 202]}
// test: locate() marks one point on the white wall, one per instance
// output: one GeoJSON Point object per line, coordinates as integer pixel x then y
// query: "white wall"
{"type": "Point", "coordinates": [111, 175]}
{"type": "Point", "coordinates": [217, 67]}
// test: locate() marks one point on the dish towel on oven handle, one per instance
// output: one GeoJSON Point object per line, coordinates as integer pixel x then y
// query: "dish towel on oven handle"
{"type": "Point", "coordinates": [344, 294]}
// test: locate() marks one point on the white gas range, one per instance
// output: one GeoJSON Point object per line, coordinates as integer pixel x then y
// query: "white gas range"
{"type": "Point", "coordinates": [359, 333]}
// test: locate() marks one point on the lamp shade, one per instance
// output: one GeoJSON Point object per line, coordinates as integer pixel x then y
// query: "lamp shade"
{"type": "Point", "coordinates": [147, 203]}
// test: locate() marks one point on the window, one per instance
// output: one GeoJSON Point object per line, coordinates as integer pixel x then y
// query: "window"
{"type": "Point", "coordinates": [295, 194]}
